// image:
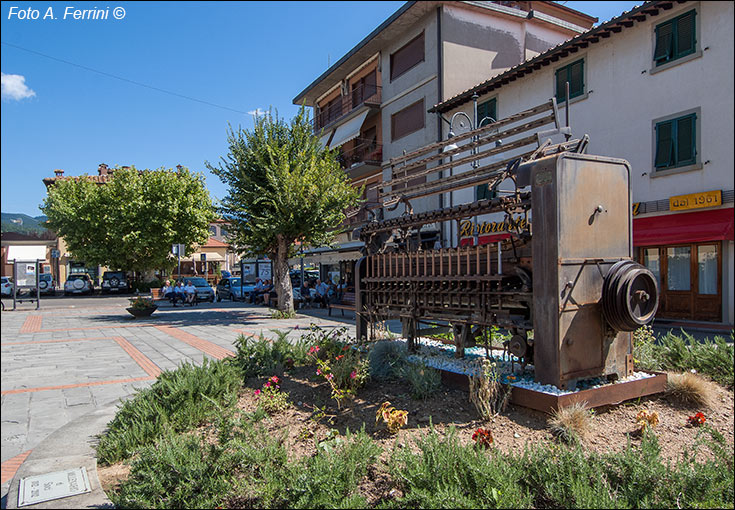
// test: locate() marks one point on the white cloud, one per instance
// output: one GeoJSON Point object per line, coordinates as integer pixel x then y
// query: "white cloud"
{"type": "Point", "coordinates": [14, 87]}
{"type": "Point", "coordinates": [257, 112]}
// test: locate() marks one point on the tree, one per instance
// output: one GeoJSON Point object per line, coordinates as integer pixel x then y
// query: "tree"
{"type": "Point", "coordinates": [283, 186]}
{"type": "Point", "coordinates": [130, 222]}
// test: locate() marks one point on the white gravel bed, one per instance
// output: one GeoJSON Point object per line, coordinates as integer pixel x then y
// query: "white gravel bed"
{"type": "Point", "coordinates": [441, 356]}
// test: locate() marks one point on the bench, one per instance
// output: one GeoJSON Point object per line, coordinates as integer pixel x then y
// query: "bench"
{"type": "Point", "coordinates": [346, 303]}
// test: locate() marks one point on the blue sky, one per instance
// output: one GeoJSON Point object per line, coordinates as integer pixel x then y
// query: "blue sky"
{"type": "Point", "coordinates": [242, 56]}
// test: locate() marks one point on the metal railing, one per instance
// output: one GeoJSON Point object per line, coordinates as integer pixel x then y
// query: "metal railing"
{"type": "Point", "coordinates": [368, 94]}
{"type": "Point", "coordinates": [364, 151]}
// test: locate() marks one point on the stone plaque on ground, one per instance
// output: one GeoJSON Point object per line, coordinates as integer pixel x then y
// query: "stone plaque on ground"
{"type": "Point", "coordinates": [61, 484]}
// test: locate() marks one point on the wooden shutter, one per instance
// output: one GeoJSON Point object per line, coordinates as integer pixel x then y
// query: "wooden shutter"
{"type": "Point", "coordinates": [576, 79]}
{"type": "Point", "coordinates": [664, 40]}
{"type": "Point", "coordinates": [407, 57]}
{"type": "Point", "coordinates": [408, 120]}
{"type": "Point", "coordinates": [664, 144]}
{"type": "Point", "coordinates": [487, 109]}
{"type": "Point", "coordinates": [685, 37]}
{"type": "Point", "coordinates": [561, 79]}
{"type": "Point", "coordinates": [685, 143]}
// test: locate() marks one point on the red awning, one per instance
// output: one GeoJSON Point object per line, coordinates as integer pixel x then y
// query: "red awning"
{"type": "Point", "coordinates": [689, 227]}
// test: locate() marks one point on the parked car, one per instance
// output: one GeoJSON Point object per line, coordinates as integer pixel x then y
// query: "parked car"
{"type": "Point", "coordinates": [46, 284]}
{"type": "Point", "coordinates": [226, 274]}
{"type": "Point", "coordinates": [78, 283]}
{"type": "Point", "coordinates": [114, 281]}
{"type": "Point", "coordinates": [204, 291]}
{"type": "Point", "coordinates": [6, 286]}
{"type": "Point", "coordinates": [229, 288]}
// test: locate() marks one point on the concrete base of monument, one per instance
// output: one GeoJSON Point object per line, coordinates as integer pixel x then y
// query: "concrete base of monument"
{"type": "Point", "coordinates": [595, 392]}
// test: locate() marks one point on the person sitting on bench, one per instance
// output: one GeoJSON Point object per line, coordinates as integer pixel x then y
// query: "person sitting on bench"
{"type": "Point", "coordinates": [179, 293]}
{"type": "Point", "coordinates": [191, 293]}
{"type": "Point", "coordinates": [322, 291]}
{"type": "Point", "coordinates": [256, 290]}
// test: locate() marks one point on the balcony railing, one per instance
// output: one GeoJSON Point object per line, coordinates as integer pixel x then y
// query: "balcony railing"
{"type": "Point", "coordinates": [364, 151]}
{"type": "Point", "coordinates": [336, 109]}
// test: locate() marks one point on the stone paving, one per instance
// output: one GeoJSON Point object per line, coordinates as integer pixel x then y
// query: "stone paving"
{"type": "Point", "coordinates": [62, 362]}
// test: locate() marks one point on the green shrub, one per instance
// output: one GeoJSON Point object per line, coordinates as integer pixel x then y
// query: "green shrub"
{"type": "Point", "coordinates": [262, 356]}
{"type": "Point", "coordinates": [423, 380]}
{"type": "Point", "coordinates": [387, 359]}
{"type": "Point", "coordinates": [178, 472]}
{"type": "Point", "coordinates": [445, 474]}
{"type": "Point", "coordinates": [330, 343]}
{"type": "Point", "coordinates": [179, 400]}
{"type": "Point", "coordinates": [329, 479]}
{"type": "Point", "coordinates": [714, 358]}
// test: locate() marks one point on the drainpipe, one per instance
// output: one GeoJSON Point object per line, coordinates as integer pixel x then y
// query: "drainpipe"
{"type": "Point", "coordinates": [440, 92]}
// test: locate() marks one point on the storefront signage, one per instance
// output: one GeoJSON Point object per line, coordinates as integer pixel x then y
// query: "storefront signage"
{"type": "Point", "coordinates": [467, 228]}
{"type": "Point", "coordinates": [695, 200]}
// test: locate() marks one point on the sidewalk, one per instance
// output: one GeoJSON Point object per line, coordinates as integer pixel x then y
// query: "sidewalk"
{"type": "Point", "coordinates": [66, 367]}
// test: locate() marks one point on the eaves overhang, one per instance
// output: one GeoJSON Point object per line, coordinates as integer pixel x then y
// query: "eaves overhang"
{"type": "Point", "coordinates": [594, 35]}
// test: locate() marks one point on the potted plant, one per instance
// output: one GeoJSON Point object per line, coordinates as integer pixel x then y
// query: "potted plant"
{"type": "Point", "coordinates": [141, 307]}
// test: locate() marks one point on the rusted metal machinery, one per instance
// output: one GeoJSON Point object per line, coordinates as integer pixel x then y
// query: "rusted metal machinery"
{"type": "Point", "coordinates": [569, 277]}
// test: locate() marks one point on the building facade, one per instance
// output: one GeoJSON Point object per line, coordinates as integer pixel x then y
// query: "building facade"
{"type": "Point", "coordinates": [653, 86]}
{"type": "Point", "coordinates": [372, 104]}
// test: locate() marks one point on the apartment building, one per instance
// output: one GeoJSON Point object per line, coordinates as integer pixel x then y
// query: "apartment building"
{"type": "Point", "coordinates": [372, 104]}
{"type": "Point", "coordinates": [653, 86]}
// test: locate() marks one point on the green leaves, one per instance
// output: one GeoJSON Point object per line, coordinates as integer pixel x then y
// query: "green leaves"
{"type": "Point", "coordinates": [282, 182]}
{"type": "Point", "coordinates": [131, 222]}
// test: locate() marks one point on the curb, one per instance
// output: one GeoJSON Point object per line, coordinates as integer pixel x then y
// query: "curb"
{"type": "Point", "coordinates": [70, 446]}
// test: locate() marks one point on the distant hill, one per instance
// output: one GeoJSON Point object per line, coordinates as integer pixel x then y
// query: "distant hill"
{"type": "Point", "coordinates": [22, 223]}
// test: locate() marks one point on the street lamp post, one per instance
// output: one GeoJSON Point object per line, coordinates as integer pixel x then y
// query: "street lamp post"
{"type": "Point", "coordinates": [473, 124]}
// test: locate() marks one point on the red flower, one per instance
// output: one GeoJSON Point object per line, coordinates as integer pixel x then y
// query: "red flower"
{"type": "Point", "coordinates": [353, 374]}
{"type": "Point", "coordinates": [482, 437]}
{"type": "Point", "coordinates": [340, 357]}
{"type": "Point", "coordinates": [318, 372]}
{"type": "Point", "coordinates": [274, 379]}
{"type": "Point", "coordinates": [257, 392]}
{"type": "Point", "coordinates": [697, 420]}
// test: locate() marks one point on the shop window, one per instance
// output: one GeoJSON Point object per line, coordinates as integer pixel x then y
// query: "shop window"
{"type": "Point", "coordinates": [408, 120]}
{"type": "Point", "coordinates": [679, 268]}
{"type": "Point", "coordinates": [407, 57]}
{"type": "Point", "coordinates": [707, 269]}
{"type": "Point", "coordinates": [676, 142]}
{"type": "Point", "coordinates": [574, 74]}
{"type": "Point", "coordinates": [675, 38]}
{"type": "Point", "coordinates": [651, 259]}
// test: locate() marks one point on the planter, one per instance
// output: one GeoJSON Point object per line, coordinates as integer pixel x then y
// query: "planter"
{"type": "Point", "coordinates": [142, 312]}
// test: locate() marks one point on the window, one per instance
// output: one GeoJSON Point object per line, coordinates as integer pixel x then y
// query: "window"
{"type": "Point", "coordinates": [574, 74]}
{"type": "Point", "coordinates": [407, 121]}
{"type": "Point", "coordinates": [676, 142]}
{"type": "Point", "coordinates": [485, 109]}
{"type": "Point", "coordinates": [407, 57]}
{"type": "Point", "coordinates": [364, 88]}
{"type": "Point", "coordinates": [679, 273]}
{"type": "Point", "coordinates": [675, 38]}
{"type": "Point", "coordinates": [213, 230]}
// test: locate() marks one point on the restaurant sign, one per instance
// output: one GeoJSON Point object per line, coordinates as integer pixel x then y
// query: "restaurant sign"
{"type": "Point", "coordinates": [468, 228]}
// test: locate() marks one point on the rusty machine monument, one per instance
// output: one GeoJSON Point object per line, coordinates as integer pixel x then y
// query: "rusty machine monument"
{"type": "Point", "coordinates": [565, 272]}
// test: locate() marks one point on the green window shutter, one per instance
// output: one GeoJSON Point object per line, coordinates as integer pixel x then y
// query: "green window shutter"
{"type": "Point", "coordinates": [685, 37]}
{"type": "Point", "coordinates": [561, 78]}
{"type": "Point", "coordinates": [482, 192]}
{"type": "Point", "coordinates": [664, 42]}
{"type": "Point", "coordinates": [486, 109]}
{"type": "Point", "coordinates": [664, 144]}
{"type": "Point", "coordinates": [685, 140]}
{"type": "Point", "coordinates": [576, 79]}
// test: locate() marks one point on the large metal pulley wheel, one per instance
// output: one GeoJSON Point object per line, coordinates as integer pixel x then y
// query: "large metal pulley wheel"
{"type": "Point", "coordinates": [629, 296]}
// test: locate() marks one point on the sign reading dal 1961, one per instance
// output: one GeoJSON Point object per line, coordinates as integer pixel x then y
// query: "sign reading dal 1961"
{"type": "Point", "coordinates": [696, 200]}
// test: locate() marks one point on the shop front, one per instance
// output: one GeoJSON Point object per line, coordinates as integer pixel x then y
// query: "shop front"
{"type": "Point", "coordinates": [691, 255]}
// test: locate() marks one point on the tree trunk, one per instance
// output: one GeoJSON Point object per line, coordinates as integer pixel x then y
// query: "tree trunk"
{"type": "Point", "coordinates": [281, 277]}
